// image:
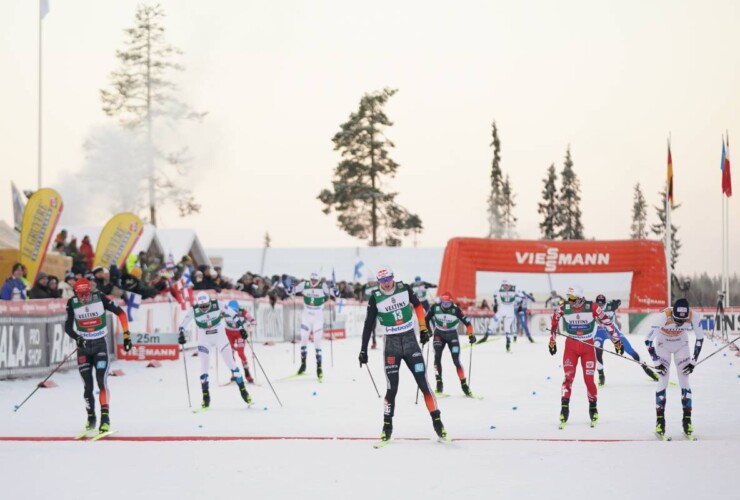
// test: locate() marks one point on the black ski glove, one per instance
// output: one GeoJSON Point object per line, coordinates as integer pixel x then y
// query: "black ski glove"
{"type": "Point", "coordinates": [424, 336]}
{"type": "Point", "coordinates": [181, 338]}
{"type": "Point", "coordinates": [471, 338]}
{"type": "Point", "coordinates": [81, 342]}
{"type": "Point", "coordinates": [363, 358]}
{"type": "Point", "coordinates": [126, 341]}
{"type": "Point", "coordinates": [661, 368]}
{"type": "Point", "coordinates": [243, 333]}
{"type": "Point", "coordinates": [553, 347]}
{"type": "Point", "coordinates": [688, 369]}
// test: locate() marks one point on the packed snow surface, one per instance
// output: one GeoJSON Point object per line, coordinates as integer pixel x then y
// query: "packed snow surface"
{"type": "Point", "coordinates": [507, 445]}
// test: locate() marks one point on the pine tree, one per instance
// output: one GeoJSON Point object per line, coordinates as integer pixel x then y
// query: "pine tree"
{"type": "Point", "coordinates": [364, 209]}
{"type": "Point", "coordinates": [548, 207]}
{"type": "Point", "coordinates": [495, 217]}
{"type": "Point", "coordinates": [659, 228]}
{"type": "Point", "coordinates": [639, 215]}
{"type": "Point", "coordinates": [140, 95]}
{"type": "Point", "coordinates": [569, 203]}
{"type": "Point", "coordinates": [507, 209]}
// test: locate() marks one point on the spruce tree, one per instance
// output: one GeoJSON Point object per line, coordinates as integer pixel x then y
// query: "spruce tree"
{"type": "Point", "coordinates": [507, 209]}
{"type": "Point", "coordinates": [364, 209]}
{"type": "Point", "coordinates": [659, 228]}
{"type": "Point", "coordinates": [495, 218]}
{"type": "Point", "coordinates": [639, 215]}
{"type": "Point", "coordinates": [548, 207]}
{"type": "Point", "coordinates": [569, 203]}
{"type": "Point", "coordinates": [140, 96]}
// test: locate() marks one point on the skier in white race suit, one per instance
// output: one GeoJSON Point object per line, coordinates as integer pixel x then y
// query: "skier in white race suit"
{"type": "Point", "coordinates": [669, 338]}
{"type": "Point", "coordinates": [209, 315]}
{"type": "Point", "coordinates": [507, 298]}
{"type": "Point", "coordinates": [315, 294]}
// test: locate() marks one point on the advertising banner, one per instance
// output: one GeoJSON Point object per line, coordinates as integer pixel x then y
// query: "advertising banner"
{"type": "Point", "coordinates": [117, 240]}
{"type": "Point", "coordinates": [39, 221]}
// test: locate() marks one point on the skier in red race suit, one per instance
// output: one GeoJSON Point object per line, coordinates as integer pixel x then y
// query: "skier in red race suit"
{"type": "Point", "coordinates": [235, 337]}
{"type": "Point", "coordinates": [579, 324]}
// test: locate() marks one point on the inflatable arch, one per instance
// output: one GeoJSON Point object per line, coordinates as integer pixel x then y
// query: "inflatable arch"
{"type": "Point", "coordinates": [463, 257]}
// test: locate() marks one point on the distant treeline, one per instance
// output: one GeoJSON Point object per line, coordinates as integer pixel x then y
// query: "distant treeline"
{"type": "Point", "coordinates": [703, 289]}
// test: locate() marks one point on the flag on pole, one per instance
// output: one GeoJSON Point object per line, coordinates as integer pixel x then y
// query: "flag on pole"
{"type": "Point", "coordinates": [725, 166]}
{"type": "Point", "coordinates": [669, 188]}
{"type": "Point", "coordinates": [44, 8]}
{"type": "Point", "coordinates": [133, 301]}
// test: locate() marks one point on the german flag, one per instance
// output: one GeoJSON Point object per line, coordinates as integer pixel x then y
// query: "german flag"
{"type": "Point", "coordinates": [669, 179]}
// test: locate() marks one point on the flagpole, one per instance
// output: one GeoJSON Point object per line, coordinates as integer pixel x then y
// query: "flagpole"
{"type": "Point", "coordinates": [38, 152]}
{"type": "Point", "coordinates": [668, 235]}
{"type": "Point", "coordinates": [727, 232]}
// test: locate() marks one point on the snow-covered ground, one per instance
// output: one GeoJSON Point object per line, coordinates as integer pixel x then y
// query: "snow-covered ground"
{"type": "Point", "coordinates": [509, 445]}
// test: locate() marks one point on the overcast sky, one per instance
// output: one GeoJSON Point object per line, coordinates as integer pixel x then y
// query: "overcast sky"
{"type": "Point", "coordinates": [611, 79]}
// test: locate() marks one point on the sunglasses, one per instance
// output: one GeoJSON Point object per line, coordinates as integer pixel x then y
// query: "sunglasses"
{"type": "Point", "coordinates": [445, 304]}
{"type": "Point", "coordinates": [572, 298]}
{"type": "Point", "coordinates": [385, 280]}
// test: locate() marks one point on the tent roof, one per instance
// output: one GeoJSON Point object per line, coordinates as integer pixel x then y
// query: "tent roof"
{"type": "Point", "coordinates": [180, 242]}
{"type": "Point", "coordinates": [9, 238]}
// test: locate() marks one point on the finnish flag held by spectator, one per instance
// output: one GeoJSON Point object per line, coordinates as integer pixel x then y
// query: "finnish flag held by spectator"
{"type": "Point", "coordinates": [358, 270]}
{"type": "Point", "coordinates": [133, 301]}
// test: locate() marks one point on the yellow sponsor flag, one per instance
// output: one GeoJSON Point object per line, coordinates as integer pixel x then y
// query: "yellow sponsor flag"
{"type": "Point", "coordinates": [117, 240]}
{"type": "Point", "coordinates": [39, 221]}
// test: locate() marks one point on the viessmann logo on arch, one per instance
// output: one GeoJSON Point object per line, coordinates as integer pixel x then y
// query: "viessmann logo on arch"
{"type": "Point", "coordinates": [553, 257]}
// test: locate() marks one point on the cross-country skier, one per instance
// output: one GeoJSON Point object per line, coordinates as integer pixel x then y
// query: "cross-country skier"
{"type": "Point", "coordinates": [209, 315]}
{"type": "Point", "coordinates": [393, 305]}
{"type": "Point", "coordinates": [235, 336]}
{"type": "Point", "coordinates": [670, 335]}
{"type": "Point", "coordinates": [522, 313]}
{"type": "Point", "coordinates": [507, 297]}
{"type": "Point", "coordinates": [87, 324]}
{"type": "Point", "coordinates": [315, 294]}
{"type": "Point", "coordinates": [443, 319]}
{"type": "Point", "coordinates": [421, 290]}
{"type": "Point", "coordinates": [610, 310]}
{"type": "Point", "coordinates": [579, 323]}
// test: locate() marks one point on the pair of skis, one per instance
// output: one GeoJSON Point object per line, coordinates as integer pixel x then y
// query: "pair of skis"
{"type": "Point", "coordinates": [383, 444]}
{"type": "Point", "coordinates": [440, 395]}
{"type": "Point", "coordinates": [93, 435]}
{"type": "Point", "coordinates": [663, 437]}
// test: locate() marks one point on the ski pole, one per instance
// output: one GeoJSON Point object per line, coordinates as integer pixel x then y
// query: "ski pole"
{"type": "Point", "coordinates": [600, 348]}
{"type": "Point", "coordinates": [331, 332]}
{"type": "Point", "coordinates": [187, 382]}
{"type": "Point", "coordinates": [40, 384]}
{"type": "Point", "coordinates": [293, 320]}
{"type": "Point", "coordinates": [425, 367]}
{"type": "Point", "coordinates": [254, 355]}
{"type": "Point", "coordinates": [372, 379]}
{"type": "Point", "coordinates": [470, 364]}
{"type": "Point", "coordinates": [720, 349]}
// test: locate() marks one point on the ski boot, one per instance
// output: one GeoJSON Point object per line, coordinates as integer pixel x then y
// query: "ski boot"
{"type": "Point", "coordinates": [650, 373]}
{"type": "Point", "coordinates": [302, 368]}
{"type": "Point", "coordinates": [245, 395]}
{"type": "Point", "coordinates": [104, 420]}
{"type": "Point", "coordinates": [92, 421]}
{"type": "Point", "coordinates": [508, 344]}
{"type": "Point", "coordinates": [688, 429]}
{"type": "Point", "coordinates": [439, 428]}
{"type": "Point", "coordinates": [248, 376]}
{"type": "Point", "coordinates": [319, 372]}
{"type": "Point", "coordinates": [564, 412]}
{"type": "Point", "coordinates": [387, 431]}
{"type": "Point", "coordinates": [465, 388]}
{"type": "Point", "coordinates": [204, 387]}
{"type": "Point", "coordinates": [660, 424]}
{"type": "Point", "coordinates": [440, 386]}
{"type": "Point", "coordinates": [515, 337]}
{"type": "Point", "coordinates": [593, 413]}
{"type": "Point", "coordinates": [531, 340]}
{"type": "Point", "coordinates": [602, 378]}
{"type": "Point", "coordinates": [485, 337]}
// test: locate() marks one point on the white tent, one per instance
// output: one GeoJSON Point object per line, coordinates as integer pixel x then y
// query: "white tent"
{"type": "Point", "coordinates": [180, 242]}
